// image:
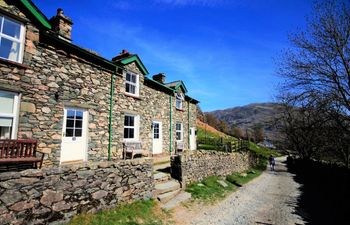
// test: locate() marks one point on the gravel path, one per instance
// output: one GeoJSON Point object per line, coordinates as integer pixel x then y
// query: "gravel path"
{"type": "Point", "coordinates": [269, 199]}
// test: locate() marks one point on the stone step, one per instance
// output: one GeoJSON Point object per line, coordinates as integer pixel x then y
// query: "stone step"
{"type": "Point", "coordinates": [182, 197]}
{"type": "Point", "coordinates": [164, 198]}
{"type": "Point", "coordinates": [161, 177]}
{"type": "Point", "coordinates": [165, 187]}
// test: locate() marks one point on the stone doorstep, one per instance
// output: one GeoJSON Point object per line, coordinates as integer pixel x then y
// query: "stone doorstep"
{"type": "Point", "coordinates": [168, 186]}
{"type": "Point", "coordinates": [182, 197]}
{"type": "Point", "coordinates": [166, 197]}
{"type": "Point", "coordinates": [161, 177]}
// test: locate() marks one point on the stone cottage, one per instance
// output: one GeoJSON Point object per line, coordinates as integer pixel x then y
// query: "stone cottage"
{"type": "Point", "coordinates": [79, 105]}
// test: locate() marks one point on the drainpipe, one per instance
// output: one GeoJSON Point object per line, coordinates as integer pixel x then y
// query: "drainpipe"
{"type": "Point", "coordinates": [188, 122]}
{"type": "Point", "coordinates": [171, 124]}
{"type": "Point", "coordinates": [110, 116]}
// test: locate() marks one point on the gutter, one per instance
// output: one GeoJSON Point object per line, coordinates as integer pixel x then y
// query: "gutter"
{"type": "Point", "coordinates": [188, 122]}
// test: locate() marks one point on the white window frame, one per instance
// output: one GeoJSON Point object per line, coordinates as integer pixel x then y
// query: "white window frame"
{"type": "Point", "coordinates": [14, 114]}
{"type": "Point", "coordinates": [20, 40]}
{"type": "Point", "coordinates": [180, 131]}
{"type": "Point", "coordinates": [137, 84]}
{"type": "Point", "coordinates": [136, 128]}
{"type": "Point", "coordinates": [179, 99]}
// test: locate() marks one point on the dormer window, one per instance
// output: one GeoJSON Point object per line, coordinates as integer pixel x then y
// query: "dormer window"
{"type": "Point", "coordinates": [11, 39]}
{"type": "Point", "coordinates": [132, 84]}
{"type": "Point", "coordinates": [179, 99]}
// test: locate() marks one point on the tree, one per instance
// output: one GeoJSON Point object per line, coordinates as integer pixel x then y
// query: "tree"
{"type": "Point", "coordinates": [237, 132]}
{"type": "Point", "coordinates": [258, 133]}
{"type": "Point", "coordinates": [316, 91]}
{"type": "Point", "coordinates": [222, 126]}
{"type": "Point", "coordinates": [211, 120]}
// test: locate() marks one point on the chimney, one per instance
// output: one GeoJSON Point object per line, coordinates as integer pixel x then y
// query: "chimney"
{"type": "Point", "coordinates": [62, 25]}
{"type": "Point", "coordinates": [160, 77]}
{"type": "Point", "coordinates": [123, 54]}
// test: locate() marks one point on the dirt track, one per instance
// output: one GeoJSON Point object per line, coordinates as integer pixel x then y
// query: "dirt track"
{"type": "Point", "coordinates": [269, 199]}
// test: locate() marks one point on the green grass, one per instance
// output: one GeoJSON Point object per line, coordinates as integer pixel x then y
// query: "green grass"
{"type": "Point", "coordinates": [139, 212]}
{"type": "Point", "coordinates": [262, 151]}
{"type": "Point", "coordinates": [202, 135]}
{"type": "Point", "coordinates": [239, 179]}
{"type": "Point", "coordinates": [209, 189]}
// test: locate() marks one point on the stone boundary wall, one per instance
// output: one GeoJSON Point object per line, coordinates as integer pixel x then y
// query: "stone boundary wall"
{"type": "Point", "coordinates": [194, 166]}
{"type": "Point", "coordinates": [57, 194]}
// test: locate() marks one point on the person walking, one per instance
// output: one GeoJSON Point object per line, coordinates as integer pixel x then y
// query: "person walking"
{"type": "Point", "coordinates": [272, 163]}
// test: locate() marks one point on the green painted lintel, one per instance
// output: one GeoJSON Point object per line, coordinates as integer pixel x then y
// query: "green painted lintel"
{"type": "Point", "coordinates": [37, 14]}
{"type": "Point", "coordinates": [139, 63]}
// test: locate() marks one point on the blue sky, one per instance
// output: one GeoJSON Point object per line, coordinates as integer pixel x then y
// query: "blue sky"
{"type": "Point", "coordinates": [223, 50]}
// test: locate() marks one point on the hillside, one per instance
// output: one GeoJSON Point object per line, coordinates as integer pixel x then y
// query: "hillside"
{"type": "Point", "coordinates": [246, 117]}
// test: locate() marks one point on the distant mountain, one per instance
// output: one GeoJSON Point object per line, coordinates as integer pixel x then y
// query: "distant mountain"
{"type": "Point", "coordinates": [246, 117]}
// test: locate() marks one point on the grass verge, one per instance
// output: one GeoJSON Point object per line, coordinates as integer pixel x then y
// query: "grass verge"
{"type": "Point", "coordinates": [140, 212]}
{"type": "Point", "coordinates": [210, 190]}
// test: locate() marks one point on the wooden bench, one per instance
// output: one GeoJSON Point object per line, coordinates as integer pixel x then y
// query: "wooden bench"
{"type": "Point", "coordinates": [179, 147]}
{"type": "Point", "coordinates": [20, 152]}
{"type": "Point", "coordinates": [132, 148]}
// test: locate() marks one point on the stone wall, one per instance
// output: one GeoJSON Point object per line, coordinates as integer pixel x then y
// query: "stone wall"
{"type": "Point", "coordinates": [194, 166]}
{"type": "Point", "coordinates": [57, 194]}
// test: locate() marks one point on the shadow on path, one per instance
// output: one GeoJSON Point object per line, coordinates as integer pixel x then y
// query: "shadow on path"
{"type": "Point", "coordinates": [325, 188]}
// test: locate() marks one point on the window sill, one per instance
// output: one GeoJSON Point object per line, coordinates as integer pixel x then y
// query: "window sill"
{"type": "Point", "coordinates": [12, 63]}
{"type": "Point", "coordinates": [182, 110]}
{"type": "Point", "coordinates": [133, 96]}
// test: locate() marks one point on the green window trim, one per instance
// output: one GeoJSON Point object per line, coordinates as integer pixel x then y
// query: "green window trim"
{"type": "Point", "coordinates": [36, 13]}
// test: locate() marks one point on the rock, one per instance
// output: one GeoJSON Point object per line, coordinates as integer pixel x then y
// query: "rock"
{"type": "Point", "coordinates": [60, 206]}
{"type": "Point", "coordinates": [85, 173]}
{"type": "Point", "coordinates": [27, 107]}
{"type": "Point", "coordinates": [222, 183]}
{"type": "Point", "coordinates": [243, 174]}
{"type": "Point", "coordinates": [99, 194]}
{"type": "Point", "coordinates": [32, 173]}
{"type": "Point", "coordinates": [23, 205]}
{"type": "Point", "coordinates": [49, 197]}
{"type": "Point", "coordinates": [46, 110]}
{"type": "Point", "coordinates": [10, 197]}
{"type": "Point", "coordinates": [9, 175]}
{"type": "Point", "coordinates": [53, 85]}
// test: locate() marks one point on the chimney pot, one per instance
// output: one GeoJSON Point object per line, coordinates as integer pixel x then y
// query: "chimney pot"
{"type": "Point", "coordinates": [62, 25]}
{"type": "Point", "coordinates": [160, 77]}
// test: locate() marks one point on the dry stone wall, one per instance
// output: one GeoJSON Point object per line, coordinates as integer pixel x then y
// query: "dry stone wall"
{"type": "Point", "coordinates": [57, 194]}
{"type": "Point", "coordinates": [194, 166]}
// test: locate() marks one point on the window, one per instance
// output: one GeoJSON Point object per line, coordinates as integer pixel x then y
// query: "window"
{"type": "Point", "coordinates": [74, 123]}
{"type": "Point", "coordinates": [156, 130]}
{"type": "Point", "coordinates": [8, 114]}
{"type": "Point", "coordinates": [131, 124]}
{"type": "Point", "coordinates": [179, 131]}
{"type": "Point", "coordinates": [132, 84]}
{"type": "Point", "coordinates": [179, 99]}
{"type": "Point", "coordinates": [11, 39]}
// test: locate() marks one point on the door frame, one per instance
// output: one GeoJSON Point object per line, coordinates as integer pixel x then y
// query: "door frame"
{"type": "Point", "coordinates": [193, 129]}
{"type": "Point", "coordinates": [85, 132]}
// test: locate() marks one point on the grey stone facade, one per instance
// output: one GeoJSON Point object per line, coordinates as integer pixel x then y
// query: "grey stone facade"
{"type": "Point", "coordinates": [57, 194]}
{"type": "Point", "coordinates": [56, 74]}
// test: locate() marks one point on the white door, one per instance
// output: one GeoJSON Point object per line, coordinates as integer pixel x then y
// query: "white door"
{"type": "Point", "coordinates": [74, 135]}
{"type": "Point", "coordinates": [193, 139]}
{"type": "Point", "coordinates": [157, 145]}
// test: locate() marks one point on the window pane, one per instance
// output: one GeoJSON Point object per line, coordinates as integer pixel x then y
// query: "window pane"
{"type": "Point", "coordinates": [133, 78]}
{"type": "Point", "coordinates": [11, 28]}
{"type": "Point", "coordinates": [127, 88]}
{"type": "Point", "coordinates": [128, 133]}
{"type": "Point", "coordinates": [78, 132]}
{"type": "Point", "coordinates": [131, 133]}
{"type": "Point", "coordinates": [132, 89]}
{"type": "Point", "coordinates": [78, 124]}
{"type": "Point", "coordinates": [70, 123]}
{"type": "Point", "coordinates": [5, 132]}
{"type": "Point", "coordinates": [128, 77]}
{"type": "Point", "coordinates": [6, 102]}
{"type": "Point", "coordinates": [9, 49]}
{"type": "Point", "coordinates": [69, 132]}
{"type": "Point", "coordinates": [178, 136]}
{"type": "Point", "coordinates": [70, 114]}
{"type": "Point", "coordinates": [79, 115]}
